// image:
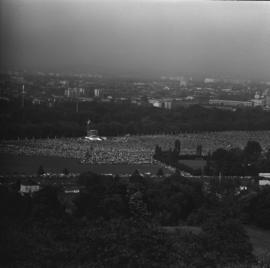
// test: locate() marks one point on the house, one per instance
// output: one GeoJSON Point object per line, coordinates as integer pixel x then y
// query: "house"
{"type": "Point", "coordinates": [264, 182]}
{"type": "Point", "coordinates": [29, 187]}
{"type": "Point", "coordinates": [264, 179]}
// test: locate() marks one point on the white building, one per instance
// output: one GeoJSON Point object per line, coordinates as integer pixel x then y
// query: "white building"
{"type": "Point", "coordinates": [29, 188]}
{"type": "Point", "coordinates": [264, 182]}
{"type": "Point", "coordinates": [183, 82]}
{"type": "Point", "coordinates": [97, 92]}
{"type": "Point", "coordinates": [209, 80]}
{"type": "Point", "coordinates": [155, 103]}
{"type": "Point", "coordinates": [258, 102]}
{"type": "Point", "coordinates": [168, 104]}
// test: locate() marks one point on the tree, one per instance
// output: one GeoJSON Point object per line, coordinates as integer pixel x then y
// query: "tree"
{"type": "Point", "coordinates": [158, 151]}
{"type": "Point", "coordinates": [227, 241]}
{"type": "Point", "coordinates": [252, 151]}
{"type": "Point", "coordinates": [40, 170]}
{"type": "Point", "coordinates": [46, 203]}
{"type": "Point", "coordinates": [160, 172]}
{"type": "Point", "coordinates": [199, 150]}
{"type": "Point", "coordinates": [177, 147]}
{"type": "Point", "coordinates": [259, 208]}
{"type": "Point", "coordinates": [65, 171]}
{"type": "Point", "coordinates": [136, 177]}
{"type": "Point", "coordinates": [267, 154]}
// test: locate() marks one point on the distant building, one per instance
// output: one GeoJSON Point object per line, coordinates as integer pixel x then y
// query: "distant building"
{"type": "Point", "coordinates": [258, 102]}
{"type": "Point", "coordinates": [232, 103]}
{"type": "Point", "coordinates": [97, 92]}
{"type": "Point", "coordinates": [36, 101]}
{"type": "Point", "coordinates": [264, 175]}
{"type": "Point", "coordinates": [210, 80]}
{"type": "Point", "coordinates": [264, 179]}
{"type": "Point", "coordinates": [168, 104]}
{"type": "Point", "coordinates": [267, 100]}
{"type": "Point", "coordinates": [264, 182]}
{"type": "Point", "coordinates": [226, 90]}
{"type": "Point", "coordinates": [75, 92]}
{"type": "Point", "coordinates": [63, 83]}
{"type": "Point", "coordinates": [183, 82]}
{"type": "Point", "coordinates": [156, 103]}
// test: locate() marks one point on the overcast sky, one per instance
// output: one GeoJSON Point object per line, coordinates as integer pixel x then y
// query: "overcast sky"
{"type": "Point", "coordinates": [210, 38]}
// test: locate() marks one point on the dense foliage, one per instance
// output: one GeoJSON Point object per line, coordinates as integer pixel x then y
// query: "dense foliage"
{"type": "Point", "coordinates": [118, 222]}
{"type": "Point", "coordinates": [248, 161]}
{"type": "Point", "coordinates": [113, 119]}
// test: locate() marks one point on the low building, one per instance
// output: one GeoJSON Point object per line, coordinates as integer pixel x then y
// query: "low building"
{"type": "Point", "coordinates": [156, 103]}
{"type": "Point", "coordinates": [264, 175]}
{"type": "Point", "coordinates": [232, 103]}
{"type": "Point", "coordinates": [257, 102]}
{"type": "Point", "coordinates": [168, 104]}
{"type": "Point", "coordinates": [29, 188]}
{"type": "Point", "coordinates": [264, 182]}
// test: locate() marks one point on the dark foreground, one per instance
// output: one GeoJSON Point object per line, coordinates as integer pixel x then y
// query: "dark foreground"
{"type": "Point", "coordinates": [119, 222]}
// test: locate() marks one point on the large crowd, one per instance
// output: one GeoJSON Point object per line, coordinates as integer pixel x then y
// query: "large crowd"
{"type": "Point", "coordinates": [131, 149]}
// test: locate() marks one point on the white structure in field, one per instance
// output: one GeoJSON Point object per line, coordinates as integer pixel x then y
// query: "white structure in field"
{"type": "Point", "coordinates": [92, 134]}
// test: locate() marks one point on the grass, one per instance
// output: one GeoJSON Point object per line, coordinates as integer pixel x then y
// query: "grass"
{"type": "Point", "coordinates": [21, 164]}
{"type": "Point", "coordinates": [195, 164]}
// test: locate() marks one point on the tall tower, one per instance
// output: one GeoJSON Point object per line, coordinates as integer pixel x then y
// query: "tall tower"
{"type": "Point", "coordinates": [23, 92]}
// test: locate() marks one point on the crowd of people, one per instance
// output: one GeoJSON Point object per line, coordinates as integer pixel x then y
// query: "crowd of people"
{"type": "Point", "coordinates": [210, 141]}
{"type": "Point", "coordinates": [132, 149]}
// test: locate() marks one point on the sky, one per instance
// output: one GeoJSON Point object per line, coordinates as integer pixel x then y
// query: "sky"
{"type": "Point", "coordinates": [138, 37]}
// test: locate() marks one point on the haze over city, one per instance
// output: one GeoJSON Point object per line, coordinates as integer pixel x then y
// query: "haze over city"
{"type": "Point", "coordinates": [146, 38]}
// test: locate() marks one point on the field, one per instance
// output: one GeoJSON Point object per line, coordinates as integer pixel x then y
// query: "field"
{"type": "Point", "coordinates": [114, 155]}
{"type": "Point", "coordinates": [21, 164]}
{"type": "Point", "coordinates": [195, 164]}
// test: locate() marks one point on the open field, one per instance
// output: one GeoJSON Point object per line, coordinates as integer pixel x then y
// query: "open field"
{"type": "Point", "coordinates": [195, 164]}
{"type": "Point", "coordinates": [21, 164]}
{"type": "Point", "coordinates": [114, 155]}
{"type": "Point", "coordinates": [133, 148]}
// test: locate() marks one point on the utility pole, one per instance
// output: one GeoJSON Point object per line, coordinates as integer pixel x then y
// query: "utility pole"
{"type": "Point", "coordinates": [23, 92]}
{"type": "Point", "coordinates": [77, 106]}
{"type": "Point", "coordinates": [23, 111]}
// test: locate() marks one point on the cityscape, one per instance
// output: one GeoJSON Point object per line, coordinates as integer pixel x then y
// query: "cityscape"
{"type": "Point", "coordinates": [166, 92]}
{"type": "Point", "coordinates": [135, 134]}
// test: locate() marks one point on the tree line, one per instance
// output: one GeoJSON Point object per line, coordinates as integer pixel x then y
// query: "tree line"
{"type": "Point", "coordinates": [248, 161]}
{"type": "Point", "coordinates": [112, 119]}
